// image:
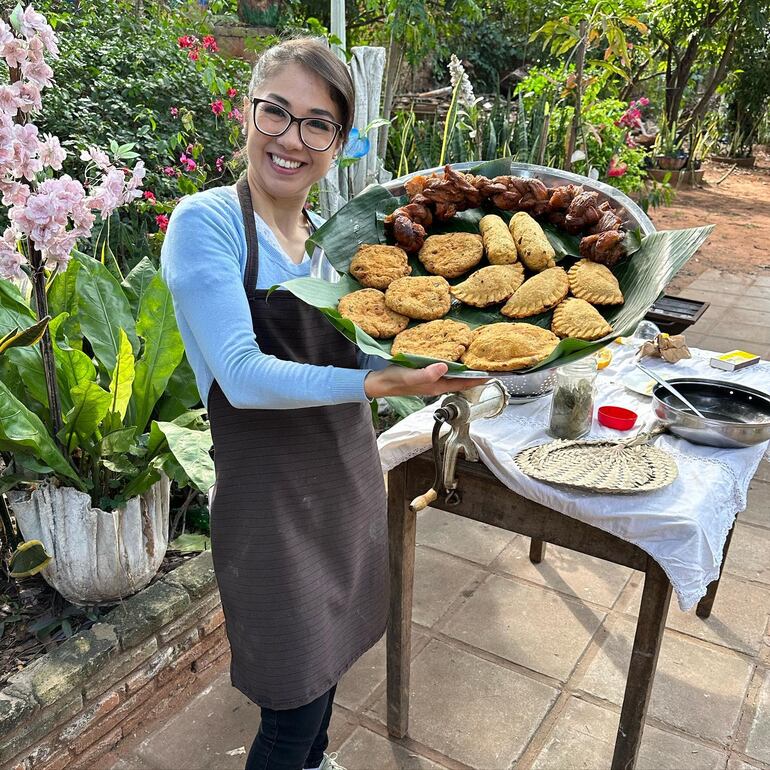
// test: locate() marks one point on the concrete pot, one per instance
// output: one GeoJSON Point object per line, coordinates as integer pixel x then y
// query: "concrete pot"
{"type": "Point", "coordinates": [677, 178]}
{"type": "Point", "coordinates": [98, 556]}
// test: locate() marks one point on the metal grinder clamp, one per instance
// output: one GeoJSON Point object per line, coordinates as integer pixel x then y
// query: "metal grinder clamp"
{"type": "Point", "coordinates": [458, 410]}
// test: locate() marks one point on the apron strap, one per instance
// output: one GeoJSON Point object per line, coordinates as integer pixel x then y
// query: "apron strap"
{"type": "Point", "coordinates": [252, 242]}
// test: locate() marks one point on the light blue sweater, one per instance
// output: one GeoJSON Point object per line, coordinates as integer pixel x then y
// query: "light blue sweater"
{"type": "Point", "coordinates": [203, 261]}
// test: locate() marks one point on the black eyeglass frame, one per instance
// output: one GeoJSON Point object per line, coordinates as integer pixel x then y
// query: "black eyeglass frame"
{"type": "Point", "coordinates": [293, 119]}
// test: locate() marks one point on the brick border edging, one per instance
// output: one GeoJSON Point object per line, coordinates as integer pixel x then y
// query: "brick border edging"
{"type": "Point", "coordinates": [71, 706]}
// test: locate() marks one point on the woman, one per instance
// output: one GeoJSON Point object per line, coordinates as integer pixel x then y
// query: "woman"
{"type": "Point", "coordinates": [299, 534]}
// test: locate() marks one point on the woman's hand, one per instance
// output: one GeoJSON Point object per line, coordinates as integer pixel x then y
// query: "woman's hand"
{"type": "Point", "coordinates": [400, 381]}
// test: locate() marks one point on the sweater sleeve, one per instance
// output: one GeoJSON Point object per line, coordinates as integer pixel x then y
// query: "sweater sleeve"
{"type": "Point", "coordinates": [201, 266]}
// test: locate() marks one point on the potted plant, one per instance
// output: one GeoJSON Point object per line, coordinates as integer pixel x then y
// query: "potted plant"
{"type": "Point", "coordinates": [87, 467]}
{"type": "Point", "coordinates": [667, 150]}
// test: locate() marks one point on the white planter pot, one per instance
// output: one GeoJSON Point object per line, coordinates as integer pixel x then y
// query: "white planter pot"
{"type": "Point", "coordinates": [98, 556]}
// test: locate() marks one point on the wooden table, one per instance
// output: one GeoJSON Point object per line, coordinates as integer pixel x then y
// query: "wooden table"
{"type": "Point", "coordinates": [486, 499]}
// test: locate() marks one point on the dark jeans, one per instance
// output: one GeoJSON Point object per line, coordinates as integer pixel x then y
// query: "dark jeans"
{"type": "Point", "coordinates": [294, 738]}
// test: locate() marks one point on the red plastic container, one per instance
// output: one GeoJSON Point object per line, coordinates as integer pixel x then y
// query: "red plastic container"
{"type": "Point", "coordinates": [617, 417]}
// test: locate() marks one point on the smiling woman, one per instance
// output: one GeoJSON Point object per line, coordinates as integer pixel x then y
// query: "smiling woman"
{"type": "Point", "coordinates": [298, 520]}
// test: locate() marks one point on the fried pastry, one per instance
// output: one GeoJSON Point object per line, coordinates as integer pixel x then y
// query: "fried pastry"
{"type": "Point", "coordinates": [498, 241]}
{"type": "Point", "coordinates": [504, 347]}
{"type": "Point", "coordinates": [540, 293]}
{"type": "Point", "coordinates": [594, 283]}
{"type": "Point", "coordinates": [377, 266]}
{"type": "Point", "coordinates": [443, 339]}
{"type": "Point", "coordinates": [576, 318]}
{"type": "Point", "coordinates": [424, 297]}
{"type": "Point", "coordinates": [366, 308]}
{"type": "Point", "coordinates": [532, 245]}
{"type": "Point", "coordinates": [489, 285]}
{"type": "Point", "coordinates": [452, 254]}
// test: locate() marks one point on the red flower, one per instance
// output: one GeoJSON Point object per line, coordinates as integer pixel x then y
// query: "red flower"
{"type": "Point", "coordinates": [186, 41]}
{"type": "Point", "coordinates": [210, 43]}
{"type": "Point", "coordinates": [616, 169]}
{"type": "Point", "coordinates": [162, 221]}
{"type": "Point", "coordinates": [194, 53]}
{"type": "Point", "coordinates": [217, 107]}
{"type": "Point", "coordinates": [149, 195]}
{"type": "Point", "coordinates": [232, 93]}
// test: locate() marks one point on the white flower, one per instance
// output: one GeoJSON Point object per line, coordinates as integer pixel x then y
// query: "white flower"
{"type": "Point", "coordinates": [457, 74]}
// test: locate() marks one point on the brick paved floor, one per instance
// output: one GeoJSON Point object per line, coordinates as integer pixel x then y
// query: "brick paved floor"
{"type": "Point", "coordinates": [518, 665]}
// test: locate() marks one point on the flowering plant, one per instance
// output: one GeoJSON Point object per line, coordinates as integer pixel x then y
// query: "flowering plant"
{"type": "Point", "coordinates": [83, 411]}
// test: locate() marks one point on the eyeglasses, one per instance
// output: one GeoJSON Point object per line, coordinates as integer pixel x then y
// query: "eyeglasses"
{"type": "Point", "coordinates": [273, 120]}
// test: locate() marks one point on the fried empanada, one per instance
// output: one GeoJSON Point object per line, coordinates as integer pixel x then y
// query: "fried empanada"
{"type": "Point", "coordinates": [424, 297]}
{"type": "Point", "coordinates": [452, 254]}
{"type": "Point", "coordinates": [498, 241]}
{"type": "Point", "coordinates": [366, 308]}
{"type": "Point", "coordinates": [594, 283]}
{"type": "Point", "coordinates": [532, 244]}
{"type": "Point", "coordinates": [489, 285]}
{"type": "Point", "coordinates": [576, 318]}
{"type": "Point", "coordinates": [504, 347]}
{"type": "Point", "coordinates": [540, 293]}
{"type": "Point", "coordinates": [443, 339]}
{"type": "Point", "coordinates": [376, 266]}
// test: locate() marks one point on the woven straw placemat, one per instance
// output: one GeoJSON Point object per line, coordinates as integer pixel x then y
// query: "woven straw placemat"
{"type": "Point", "coordinates": [599, 466]}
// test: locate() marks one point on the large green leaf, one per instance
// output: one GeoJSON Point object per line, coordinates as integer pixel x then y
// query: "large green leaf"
{"type": "Point", "coordinates": [20, 428]}
{"type": "Point", "coordinates": [122, 377]}
{"type": "Point", "coordinates": [90, 405]}
{"type": "Point", "coordinates": [103, 310]}
{"type": "Point", "coordinates": [63, 298]}
{"type": "Point", "coordinates": [137, 281]}
{"type": "Point", "coordinates": [163, 349]}
{"type": "Point", "coordinates": [72, 366]}
{"type": "Point", "coordinates": [191, 450]}
{"type": "Point", "coordinates": [15, 313]}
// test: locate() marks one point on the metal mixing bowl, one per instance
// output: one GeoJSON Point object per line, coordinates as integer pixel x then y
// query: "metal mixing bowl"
{"type": "Point", "coordinates": [530, 385]}
{"type": "Point", "coordinates": [737, 416]}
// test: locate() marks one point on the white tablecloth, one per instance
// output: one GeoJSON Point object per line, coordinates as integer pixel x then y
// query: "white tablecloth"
{"type": "Point", "coordinates": [683, 527]}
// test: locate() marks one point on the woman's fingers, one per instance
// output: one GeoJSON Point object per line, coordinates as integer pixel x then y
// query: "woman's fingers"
{"type": "Point", "coordinates": [400, 381]}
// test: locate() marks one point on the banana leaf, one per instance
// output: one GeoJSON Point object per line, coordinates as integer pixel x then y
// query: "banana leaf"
{"type": "Point", "coordinates": [643, 275]}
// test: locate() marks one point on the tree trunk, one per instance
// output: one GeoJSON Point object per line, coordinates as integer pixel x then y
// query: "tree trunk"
{"type": "Point", "coordinates": [392, 72]}
{"type": "Point", "coordinates": [718, 77]}
{"type": "Point", "coordinates": [578, 116]}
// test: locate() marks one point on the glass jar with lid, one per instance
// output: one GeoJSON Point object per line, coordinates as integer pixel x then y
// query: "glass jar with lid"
{"type": "Point", "coordinates": [572, 404]}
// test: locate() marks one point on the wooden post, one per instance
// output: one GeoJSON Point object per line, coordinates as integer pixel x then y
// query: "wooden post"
{"type": "Point", "coordinates": [536, 550]}
{"type": "Point", "coordinates": [337, 27]}
{"type": "Point", "coordinates": [577, 117]}
{"type": "Point", "coordinates": [641, 671]}
{"type": "Point", "coordinates": [402, 530]}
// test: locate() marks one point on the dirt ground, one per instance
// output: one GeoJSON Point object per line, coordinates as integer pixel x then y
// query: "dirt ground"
{"type": "Point", "coordinates": [739, 206]}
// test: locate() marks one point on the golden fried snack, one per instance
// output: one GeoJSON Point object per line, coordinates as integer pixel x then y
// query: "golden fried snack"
{"type": "Point", "coordinates": [540, 293]}
{"type": "Point", "coordinates": [534, 249]}
{"type": "Point", "coordinates": [576, 318]}
{"type": "Point", "coordinates": [452, 254]}
{"type": "Point", "coordinates": [376, 266]}
{"type": "Point", "coordinates": [489, 285]}
{"type": "Point", "coordinates": [498, 241]}
{"type": "Point", "coordinates": [443, 339]}
{"type": "Point", "coordinates": [594, 283]}
{"type": "Point", "coordinates": [424, 297]}
{"type": "Point", "coordinates": [366, 308]}
{"type": "Point", "coordinates": [504, 347]}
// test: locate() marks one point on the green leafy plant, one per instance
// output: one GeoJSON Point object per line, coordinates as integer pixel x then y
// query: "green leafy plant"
{"type": "Point", "coordinates": [116, 350]}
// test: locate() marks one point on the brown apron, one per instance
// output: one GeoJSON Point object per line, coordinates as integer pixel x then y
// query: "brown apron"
{"type": "Point", "coordinates": [298, 519]}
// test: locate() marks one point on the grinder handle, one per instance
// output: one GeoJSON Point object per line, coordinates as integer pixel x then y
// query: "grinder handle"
{"type": "Point", "coordinates": [423, 501]}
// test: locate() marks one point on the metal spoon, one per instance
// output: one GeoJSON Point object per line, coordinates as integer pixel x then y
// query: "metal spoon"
{"type": "Point", "coordinates": [670, 389]}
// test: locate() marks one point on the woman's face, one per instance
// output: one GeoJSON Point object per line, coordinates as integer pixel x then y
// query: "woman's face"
{"type": "Point", "coordinates": [282, 165]}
